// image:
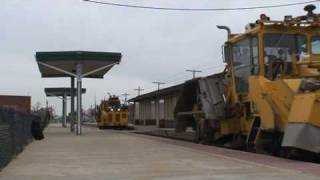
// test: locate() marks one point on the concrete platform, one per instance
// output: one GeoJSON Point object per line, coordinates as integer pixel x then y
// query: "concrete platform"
{"type": "Point", "coordinates": [108, 154]}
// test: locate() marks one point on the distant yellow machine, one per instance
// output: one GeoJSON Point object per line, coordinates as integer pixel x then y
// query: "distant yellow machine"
{"type": "Point", "coordinates": [268, 97]}
{"type": "Point", "coordinates": [112, 114]}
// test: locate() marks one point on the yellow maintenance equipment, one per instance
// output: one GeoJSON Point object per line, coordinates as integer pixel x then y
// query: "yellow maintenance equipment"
{"type": "Point", "coordinates": [268, 97]}
{"type": "Point", "coordinates": [112, 114]}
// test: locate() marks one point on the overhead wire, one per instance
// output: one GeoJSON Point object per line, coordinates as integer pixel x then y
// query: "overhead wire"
{"type": "Point", "coordinates": [186, 75]}
{"type": "Point", "coordinates": [177, 79]}
{"type": "Point", "coordinates": [198, 67]}
{"type": "Point", "coordinates": [182, 77]}
{"type": "Point", "coordinates": [177, 74]}
{"type": "Point", "coordinates": [213, 67]}
{"type": "Point", "coordinates": [199, 9]}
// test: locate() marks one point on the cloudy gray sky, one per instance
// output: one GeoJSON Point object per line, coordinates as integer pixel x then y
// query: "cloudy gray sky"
{"type": "Point", "coordinates": [156, 45]}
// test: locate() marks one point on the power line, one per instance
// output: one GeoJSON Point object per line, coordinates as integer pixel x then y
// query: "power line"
{"type": "Point", "coordinates": [179, 73]}
{"type": "Point", "coordinates": [186, 75]}
{"type": "Point", "coordinates": [179, 76]}
{"type": "Point", "coordinates": [177, 79]}
{"type": "Point", "coordinates": [183, 74]}
{"type": "Point", "coordinates": [212, 67]}
{"type": "Point", "coordinates": [199, 9]}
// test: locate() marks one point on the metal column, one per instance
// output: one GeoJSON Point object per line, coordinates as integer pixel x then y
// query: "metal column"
{"type": "Point", "coordinates": [64, 110]}
{"type": "Point", "coordinates": [72, 116]}
{"type": "Point", "coordinates": [79, 95]}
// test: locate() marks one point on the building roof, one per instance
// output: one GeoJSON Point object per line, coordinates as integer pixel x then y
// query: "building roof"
{"type": "Point", "coordinates": [168, 90]}
{"type": "Point", "coordinates": [67, 61]}
{"type": "Point", "coordinates": [60, 91]}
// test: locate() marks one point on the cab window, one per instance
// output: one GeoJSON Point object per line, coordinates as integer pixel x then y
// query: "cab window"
{"type": "Point", "coordinates": [241, 64]}
{"type": "Point", "coordinates": [279, 50]}
{"type": "Point", "coordinates": [315, 44]}
{"type": "Point", "coordinates": [255, 56]}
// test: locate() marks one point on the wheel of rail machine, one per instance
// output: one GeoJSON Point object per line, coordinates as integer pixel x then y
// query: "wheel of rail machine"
{"type": "Point", "coordinates": [204, 132]}
{"type": "Point", "coordinates": [287, 152]}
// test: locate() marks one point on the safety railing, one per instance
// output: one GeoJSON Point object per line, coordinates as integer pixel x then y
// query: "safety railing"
{"type": "Point", "coordinates": [15, 133]}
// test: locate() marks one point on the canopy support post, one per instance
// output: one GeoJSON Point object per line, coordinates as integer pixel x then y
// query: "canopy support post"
{"type": "Point", "coordinates": [64, 110]}
{"type": "Point", "coordinates": [72, 115]}
{"type": "Point", "coordinates": [79, 96]}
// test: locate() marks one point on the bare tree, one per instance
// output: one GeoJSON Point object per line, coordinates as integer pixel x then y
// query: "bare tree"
{"type": "Point", "coordinates": [36, 107]}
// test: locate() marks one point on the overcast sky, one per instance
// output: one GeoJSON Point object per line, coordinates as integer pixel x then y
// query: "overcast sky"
{"type": "Point", "coordinates": [156, 45]}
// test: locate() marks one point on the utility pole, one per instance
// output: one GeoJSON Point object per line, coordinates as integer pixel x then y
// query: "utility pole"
{"type": "Point", "coordinates": [139, 90]}
{"type": "Point", "coordinates": [193, 72]}
{"type": "Point", "coordinates": [158, 83]}
{"type": "Point", "coordinates": [125, 97]}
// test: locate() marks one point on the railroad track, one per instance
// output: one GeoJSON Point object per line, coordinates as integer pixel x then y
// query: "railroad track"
{"type": "Point", "coordinates": [184, 136]}
{"type": "Point", "coordinates": [237, 155]}
{"type": "Point", "coordinates": [191, 138]}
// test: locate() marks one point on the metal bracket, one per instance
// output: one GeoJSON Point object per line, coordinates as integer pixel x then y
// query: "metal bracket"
{"type": "Point", "coordinates": [57, 69]}
{"type": "Point", "coordinates": [97, 70]}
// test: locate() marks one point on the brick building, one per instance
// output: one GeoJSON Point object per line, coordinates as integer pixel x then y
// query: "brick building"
{"type": "Point", "coordinates": [19, 103]}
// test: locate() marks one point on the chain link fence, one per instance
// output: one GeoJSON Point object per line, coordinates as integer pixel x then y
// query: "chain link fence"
{"type": "Point", "coordinates": [15, 133]}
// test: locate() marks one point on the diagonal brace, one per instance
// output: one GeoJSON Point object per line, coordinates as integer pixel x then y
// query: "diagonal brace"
{"type": "Point", "coordinates": [57, 69]}
{"type": "Point", "coordinates": [97, 70]}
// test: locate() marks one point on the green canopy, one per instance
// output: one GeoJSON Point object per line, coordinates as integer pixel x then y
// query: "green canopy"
{"type": "Point", "coordinates": [61, 91]}
{"type": "Point", "coordinates": [76, 64]}
{"type": "Point", "coordinates": [67, 61]}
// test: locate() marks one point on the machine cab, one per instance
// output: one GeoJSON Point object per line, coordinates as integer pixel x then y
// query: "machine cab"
{"type": "Point", "coordinates": [273, 49]}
